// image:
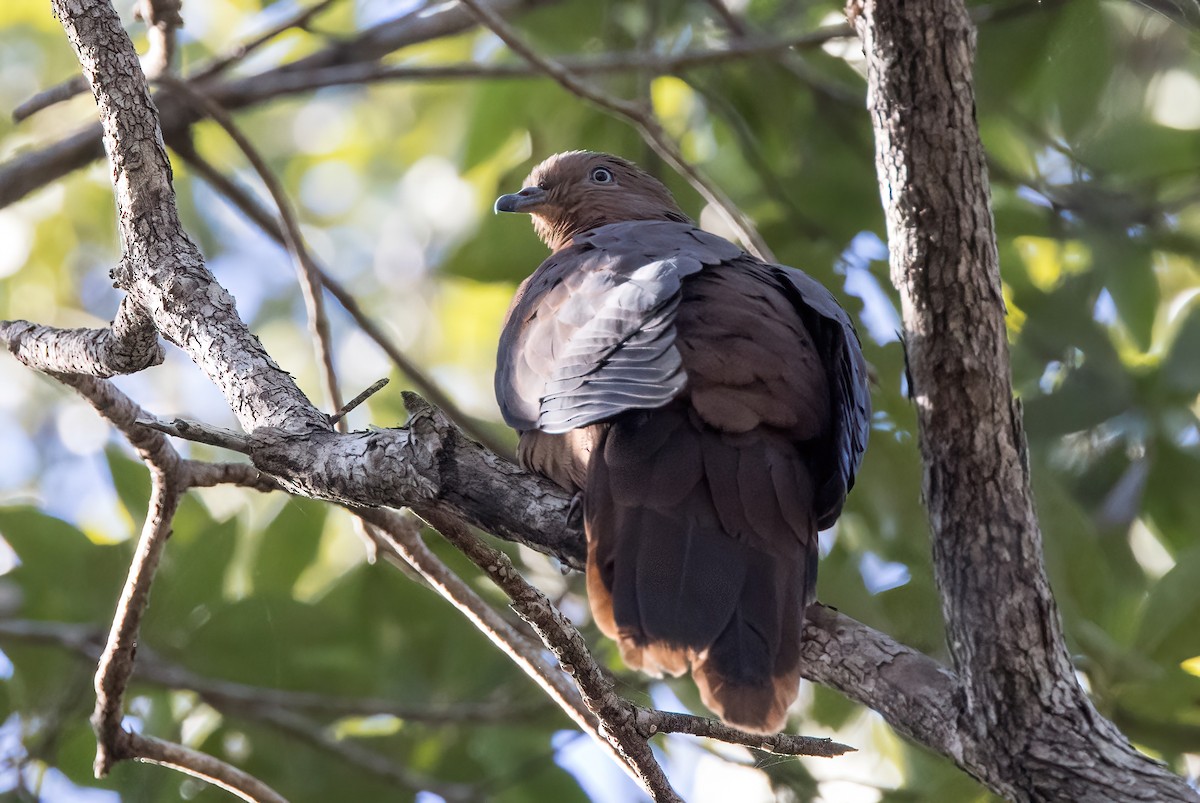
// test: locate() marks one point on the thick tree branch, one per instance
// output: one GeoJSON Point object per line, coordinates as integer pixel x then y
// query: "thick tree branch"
{"type": "Point", "coordinates": [306, 269]}
{"type": "Point", "coordinates": [915, 694]}
{"type": "Point", "coordinates": [128, 346]}
{"type": "Point", "coordinates": [1032, 732]}
{"type": "Point", "coordinates": [161, 268]}
{"type": "Point", "coordinates": [259, 216]}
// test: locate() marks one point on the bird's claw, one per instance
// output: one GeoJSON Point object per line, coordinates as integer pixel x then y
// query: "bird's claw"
{"type": "Point", "coordinates": [575, 510]}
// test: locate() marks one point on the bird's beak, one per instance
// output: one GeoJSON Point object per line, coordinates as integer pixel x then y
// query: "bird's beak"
{"type": "Point", "coordinates": [522, 201]}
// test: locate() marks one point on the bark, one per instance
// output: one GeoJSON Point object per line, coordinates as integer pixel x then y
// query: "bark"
{"type": "Point", "coordinates": [128, 346]}
{"type": "Point", "coordinates": [1030, 732]}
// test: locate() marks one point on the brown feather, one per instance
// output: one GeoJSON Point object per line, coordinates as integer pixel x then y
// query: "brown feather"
{"type": "Point", "coordinates": [718, 446]}
{"type": "Point", "coordinates": [574, 205]}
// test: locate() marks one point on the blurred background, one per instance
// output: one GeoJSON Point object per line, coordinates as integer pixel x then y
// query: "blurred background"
{"type": "Point", "coordinates": [1090, 113]}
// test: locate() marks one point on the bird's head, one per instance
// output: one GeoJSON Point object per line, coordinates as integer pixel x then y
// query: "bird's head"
{"type": "Point", "coordinates": [577, 191]}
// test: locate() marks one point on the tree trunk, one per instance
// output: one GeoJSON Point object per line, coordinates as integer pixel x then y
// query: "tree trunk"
{"type": "Point", "coordinates": [1028, 730]}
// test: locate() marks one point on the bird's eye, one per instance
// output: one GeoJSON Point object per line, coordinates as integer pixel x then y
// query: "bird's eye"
{"type": "Point", "coordinates": [602, 175]}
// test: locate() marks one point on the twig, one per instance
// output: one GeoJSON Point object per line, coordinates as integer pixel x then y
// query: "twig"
{"type": "Point", "coordinates": [626, 725]}
{"type": "Point", "coordinates": [355, 754]}
{"type": "Point", "coordinates": [231, 57]}
{"type": "Point", "coordinates": [740, 29]}
{"type": "Point", "coordinates": [87, 642]}
{"type": "Point", "coordinates": [243, 91]}
{"type": "Point", "coordinates": [205, 475]}
{"type": "Point", "coordinates": [400, 541]}
{"type": "Point", "coordinates": [641, 119]}
{"type": "Point", "coordinates": [49, 97]}
{"type": "Point", "coordinates": [306, 270]}
{"type": "Point", "coordinates": [253, 210]}
{"type": "Point", "coordinates": [116, 664]}
{"type": "Point", "coordinates": [162, 18]}
{"type": "Point", "coordinates": [199, 765]}
{"type": "Point", "coordinates": [357, 400]}
{"type": "Point", "coordinates": [161, 54]}
{"type": "Point", "coordinates": [616, 715]}
{"type": "Point", "coordinates": [732, 21]}
{"type": "Point", "coordinates": [200, 432]}
{"type": "Point", "coordinates": [650, 722]}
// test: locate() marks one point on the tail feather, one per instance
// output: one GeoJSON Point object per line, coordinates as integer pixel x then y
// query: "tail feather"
{"type": "Point", "coordinates": [699, 552]}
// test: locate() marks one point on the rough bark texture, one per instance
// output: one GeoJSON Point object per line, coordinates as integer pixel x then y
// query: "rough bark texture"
{"type": "Point", "coordinates": [128, 346]}
{"type": "Point", "coordinates": [1031, 733]}
{"type": "Point", "coordinates": [918, 696]}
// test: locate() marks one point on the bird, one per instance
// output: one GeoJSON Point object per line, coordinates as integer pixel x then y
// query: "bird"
{"type": "Point", "coordinates": [706, 409]}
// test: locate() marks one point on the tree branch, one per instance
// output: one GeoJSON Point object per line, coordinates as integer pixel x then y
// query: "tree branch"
{"type": "Point", "coordinates": [429, 464]}
{"type": "Point", "coordinates": [211, 770]}
{"type": "Point", "coordinates": [116, 663]}
{"type": "Point", "coordinates": [221, 63]}
{"type": "Point", "coordinates": [306, 269]}
{"type": "Point", "coordinates": [24, 174]}
{"type": "Point", "coordinates": [617, 725]}
{"type": "Point", "coordinates": [87, 642]}
{"type": "Point", "coordinates": [162, 18]}
{"type": "Point", "coordinates": [128, 346]}
{"type": "Point", "coordinates": [257, 215]}
{"type": "Point", "coordinates": [161, 269]}
{"type": "Point", "coordinates": [1033, 734]}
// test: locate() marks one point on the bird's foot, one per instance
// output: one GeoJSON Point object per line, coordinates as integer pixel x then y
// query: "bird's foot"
{"type": "Point", "coordinates": [575, 510]}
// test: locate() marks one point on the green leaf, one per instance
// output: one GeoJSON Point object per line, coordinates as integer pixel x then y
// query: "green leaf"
{"type": "Point", "coordinates": [288, 545]}
{"type": "Point", "coordinates": [131, 479]}
{"type": "Point", "coordinates": [1168, 627]}
{"type": "Point", "coordinates": [191, 577]}
{"type": "Point", "coordinates": [1075, 70]}
{"type": "Point", "coordinates": [1181, 368]}
{"type": "Point", "coordinates": [63, 576]}
{"type": "Point", "coordinates": [1169, 500]}
{"type": "Point", "coordinates": [1128, 271]}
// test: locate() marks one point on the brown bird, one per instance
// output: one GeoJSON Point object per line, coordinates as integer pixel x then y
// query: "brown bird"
{"type": "Point", "coordinates": [711, 409]}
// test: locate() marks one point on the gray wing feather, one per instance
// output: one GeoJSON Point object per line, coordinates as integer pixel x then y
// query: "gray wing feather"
{"type": "Point", "coordinates": [625, 356]}
{"type": "Point", "coordinates": [591, 332]}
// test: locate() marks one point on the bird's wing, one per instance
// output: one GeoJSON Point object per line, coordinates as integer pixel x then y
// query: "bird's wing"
{"type": "Point", "coordinates": [591, 332]}
{"type": "Point", "coordinates": [849, 390]}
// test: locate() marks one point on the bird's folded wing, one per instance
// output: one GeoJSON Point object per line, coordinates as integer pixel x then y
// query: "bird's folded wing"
{"type": "Point", "coordinates": [850, 393]}
{"type": "Point", "coordinates": [591, 333]}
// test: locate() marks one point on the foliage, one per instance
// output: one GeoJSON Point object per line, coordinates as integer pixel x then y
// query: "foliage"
{"type": "Point", "coordinates": [1089, 111]}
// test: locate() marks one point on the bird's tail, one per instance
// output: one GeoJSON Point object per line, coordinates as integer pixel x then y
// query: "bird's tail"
{"type": "Point", "coordinates": [701, 553]}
